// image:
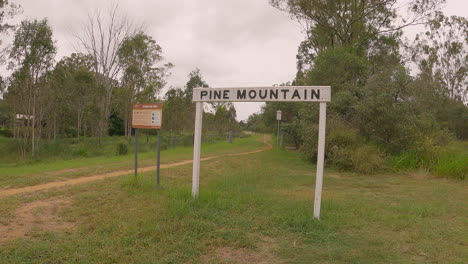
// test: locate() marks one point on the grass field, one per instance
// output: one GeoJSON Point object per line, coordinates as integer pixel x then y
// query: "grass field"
{"type": "Point", "coordinates": [18, 174]}
{"type": "Point", "coordinates": [254, 208]}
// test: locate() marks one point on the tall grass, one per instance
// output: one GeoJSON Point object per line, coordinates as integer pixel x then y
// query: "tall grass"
{"type": "Point", "coordinates": [450, 161]}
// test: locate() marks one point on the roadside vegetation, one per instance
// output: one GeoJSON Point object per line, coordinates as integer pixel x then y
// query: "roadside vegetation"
{"type": "Point", "coordinates": [56, 168]}
{"type": "Point", "coordinates": [384, 115]}
{"type": "Point", "coordinates": [252, 208]}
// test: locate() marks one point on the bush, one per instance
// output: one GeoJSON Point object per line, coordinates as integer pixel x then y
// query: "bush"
{"type": "Point", "coordinates": [6, 133]}
{"type": "Point", "coordinates": [81, 152]}
{"type": "Point", "coordinates": [122, 149]}
{"type": "Point", "coordinates": [367, 159]}
{"type": "Point", "coordinates": [71, 132]}
{"type": "Point", "coordinates": [345, 149]}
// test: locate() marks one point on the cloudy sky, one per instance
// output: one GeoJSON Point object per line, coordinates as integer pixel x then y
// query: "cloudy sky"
{"type": "Point", "coordinates": [232, 42]}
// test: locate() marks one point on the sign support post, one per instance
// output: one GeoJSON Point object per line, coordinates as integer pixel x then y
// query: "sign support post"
{"type": "Point", "coordinates": [147, 116]}
{"type": "Point", "coordinates": [320, 94]}
{"type": "Point", "coordinates": [320, 159]}
{"type": "Point", "coordinates": [158, 163]}
{"type": "Point", "coordinates": [136, 152]}
{"type": "Point", "coordinates": [196, 148]}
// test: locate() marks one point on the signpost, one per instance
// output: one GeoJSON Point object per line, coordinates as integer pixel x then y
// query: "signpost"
{"type": "Point", "coordinates": [148, 116]}
{"type": "Point", "coordinates": [278, 118]}
{"type": "Point", "coordinates": [320, 94]}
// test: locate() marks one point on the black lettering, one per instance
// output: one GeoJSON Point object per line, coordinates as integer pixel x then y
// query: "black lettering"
{"type": "Point", "coordinates": [305, 94]}
{"type": "Point", "coordinates": [274, 93]}
{"type": "Point", "coordinates": [315, 93]}
{"type": "Point", "coordinates": [217, 95]}
{"type": "Point", "coordinates": [263, 96]}
{"type": "Point", "coordinates": [296, 94]}
{"type": "Point", "coordinates": [203, 93]}
{"type": "Point", "coordinates": [226, 94]}
{"type": "Point", "coordinates": [252, 94]}
{"type": "Point", "coordinates": [241, 94]}
{"type": "Point", "coordinates": [285, 91]}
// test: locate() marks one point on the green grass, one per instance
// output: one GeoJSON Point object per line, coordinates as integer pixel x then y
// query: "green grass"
{"type": "Point", "coordinates": [253, 207]}
{"type": "Point", "coordinates": [450, 161]}
{"type": "Point", "coordinates": [20, 174]}
{"type": "Point", "coordinates": [453, 161]}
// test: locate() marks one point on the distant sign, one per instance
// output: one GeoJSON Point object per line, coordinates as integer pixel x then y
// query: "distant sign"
{"type": "Point", "coordinates": [147, 116]}
{"type": "Point", "coordinates": [263, 94]}
{"type": "Point", "coordinates": [278, 115]}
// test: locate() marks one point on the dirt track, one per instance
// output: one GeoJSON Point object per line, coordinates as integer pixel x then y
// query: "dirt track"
{"type": "Point", "coordinates": [58, 184]}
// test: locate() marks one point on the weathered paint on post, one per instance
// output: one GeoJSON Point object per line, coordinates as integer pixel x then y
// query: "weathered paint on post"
{"type": "Point", "coordinates": [320, 159]}
{"type": "Point", "coordinates": [196, 148]}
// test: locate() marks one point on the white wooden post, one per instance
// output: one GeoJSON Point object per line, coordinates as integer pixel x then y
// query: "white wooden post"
{"type": "Point", "coordinates": [320, 159]}
{"type": "Point", "coordinates": [196, 148]}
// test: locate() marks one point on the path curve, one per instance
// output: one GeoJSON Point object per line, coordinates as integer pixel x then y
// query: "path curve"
{"type": "Point", "coordinates": [58, 184]}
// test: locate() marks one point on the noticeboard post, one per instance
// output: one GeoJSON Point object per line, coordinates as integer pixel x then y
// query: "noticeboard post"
{"type": "Point", "coordinates": [320, 94]}
{"type": "Point", "coordinates": [148, 116]}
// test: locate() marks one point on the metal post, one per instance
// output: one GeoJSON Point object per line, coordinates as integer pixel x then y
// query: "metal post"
{"type": "Point", "coordinates": [158, 163]}
{"type": "Point", "coordinates": [136, 152]}
{"type": "Point", "coordinates": [196, 148]}
{"type": "Point", "coordinates": [320, 159]}
{"type": "Point", "coordinates": [278, 137]}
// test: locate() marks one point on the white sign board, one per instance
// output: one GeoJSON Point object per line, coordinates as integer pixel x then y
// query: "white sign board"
{"type": "Point", "coordinates": [263, 94]}
{"type": "Point", "coordinates": [278, 115]}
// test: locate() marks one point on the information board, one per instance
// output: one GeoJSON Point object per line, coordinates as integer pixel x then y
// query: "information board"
{"type": "Point", "coordinates": [147, 116]}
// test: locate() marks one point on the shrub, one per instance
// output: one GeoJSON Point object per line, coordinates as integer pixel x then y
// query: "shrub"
{"type": "Point", "coordinates": [122, 149]}
{"type": "Point", "coordinates": [345, 148]}
{"type": "Point", "coordinates": [70, 132]}
{"type": "Point", "coordinates": [6, 133]}
{"type": "Point", "coordinates": [367, 159]}
{"type": "Point", "coordinates": [81, 152]}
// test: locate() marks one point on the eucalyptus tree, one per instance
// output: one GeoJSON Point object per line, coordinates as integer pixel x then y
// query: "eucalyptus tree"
{"type": "Point", "coordinates": [175, 110]}
{"type": "Point", "coordinates": [144, 73]}
{"type": "Point", "coordinates": [73, 88]}
{"type": "Point", "coordinates": [8, 9]}
{"type": "Point", "coordinates": [360, 25]}
{"type": "Point", "coordinates": [442, 52]}
{"type": "Point", "coordinates": [32, 57]}
{"type": "Point", "coordinates": [102, 37]}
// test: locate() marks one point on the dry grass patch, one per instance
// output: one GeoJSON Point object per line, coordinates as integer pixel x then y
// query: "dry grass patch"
{"type": "Point", "coordinates": [41, 215]}
{"type": "Point", "coordinates": [263, 254]}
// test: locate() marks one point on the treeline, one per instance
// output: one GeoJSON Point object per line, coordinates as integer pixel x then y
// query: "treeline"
{"type": "Point", "coordinates": [90, 93]}
{"type": "Point", "coordinates": [380, 113]}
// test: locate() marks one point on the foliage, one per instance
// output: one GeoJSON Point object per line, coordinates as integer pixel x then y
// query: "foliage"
{"type": "Point", "coordinates": [31, 58]}
{"type": "Point", "coordinates": [142, 78]}
{"type": "Point", "coordinates": [442, 51]}
{"type": "Point", "coordinates": [359, 25]}
{"type": "Point", "coordinates": [122, 149]}
{"type": "Point", "coordinates": [258, 208]}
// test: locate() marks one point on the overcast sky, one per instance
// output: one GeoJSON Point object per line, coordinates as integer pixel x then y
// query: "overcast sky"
{"type": "Point", "coordinates": [232, 42]}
